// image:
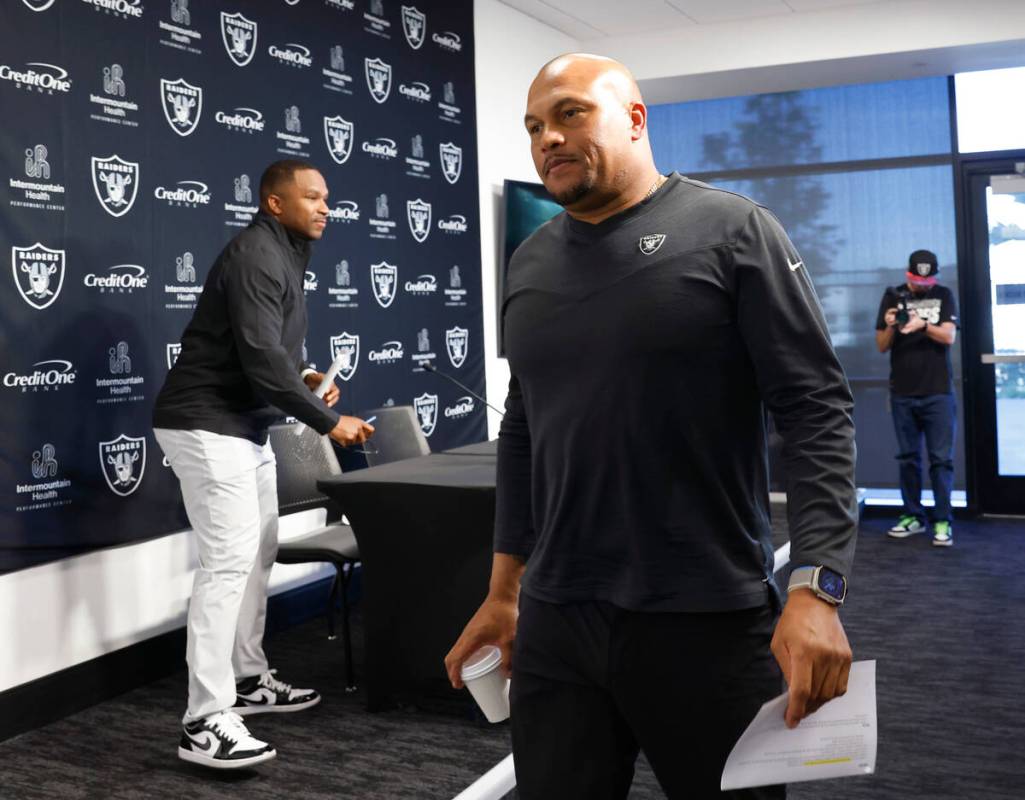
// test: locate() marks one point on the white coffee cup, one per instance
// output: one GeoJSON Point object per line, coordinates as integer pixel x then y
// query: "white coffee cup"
{"type": "Point", "coordinates": [483, 676]}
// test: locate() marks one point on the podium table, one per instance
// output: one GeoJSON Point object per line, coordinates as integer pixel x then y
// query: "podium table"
{"type": "Point", "coordinates": [424, 528]}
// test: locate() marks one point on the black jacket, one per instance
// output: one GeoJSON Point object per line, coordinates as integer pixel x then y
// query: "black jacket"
{"type": "Point", "coordinates": [241, 354]}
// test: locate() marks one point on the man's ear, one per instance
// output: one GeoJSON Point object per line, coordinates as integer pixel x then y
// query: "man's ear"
{"type": "Point", "coordinates": [274, 204]}
{"type": "Point", "coordinates": [638, 120]}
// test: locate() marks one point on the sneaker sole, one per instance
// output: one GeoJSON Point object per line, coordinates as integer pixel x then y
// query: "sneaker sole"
{"type": "Point", "coordinates": [244, 711]}
{"type": "Point", "coordinates": [221, 763]}
{"type": "Point", "coordinates": [943, 542]}
{"type": "Point", "coordinates": [902, 534]}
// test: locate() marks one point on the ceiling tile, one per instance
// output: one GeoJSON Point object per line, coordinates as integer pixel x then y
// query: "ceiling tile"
{"type": "Point", "coordinates": [711, 11]}
{"type": "Point", "coordinates": [617, 18]}
{"type": "Point", "coordinates": [556, 18]}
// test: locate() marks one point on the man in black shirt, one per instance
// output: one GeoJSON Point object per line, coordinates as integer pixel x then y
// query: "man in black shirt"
{"type": "Point", "coordinates": [917, 323]}
{"type": "Point", "coordinates": [647, 328]}
{"type": "Point", "coordinates": [240, 367]}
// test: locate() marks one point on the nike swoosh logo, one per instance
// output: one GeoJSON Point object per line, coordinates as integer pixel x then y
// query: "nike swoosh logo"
{"type": "Point", "coordinates": [794, 266]}
{"type": "Point", "coordinates": [261, 697]}
{"type": "Point", "coordinates": [205, 742]}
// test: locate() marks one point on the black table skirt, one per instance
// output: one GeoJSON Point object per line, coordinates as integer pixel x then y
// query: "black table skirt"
{"type": "Point", "coordinates": [424, 528]}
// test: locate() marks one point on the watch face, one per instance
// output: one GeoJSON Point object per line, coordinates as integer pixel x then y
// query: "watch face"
{"type": "Point", "coordinates": [832, 583]}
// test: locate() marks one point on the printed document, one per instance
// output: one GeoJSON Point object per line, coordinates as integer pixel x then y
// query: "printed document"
{"type": "Point", "coordinates": [836, 741]}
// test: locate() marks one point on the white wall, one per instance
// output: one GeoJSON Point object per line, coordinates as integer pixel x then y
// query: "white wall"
{"type": "Point", "coordinates": [64, 613]}
{"type": "Point", "coordinates": [511, 47]}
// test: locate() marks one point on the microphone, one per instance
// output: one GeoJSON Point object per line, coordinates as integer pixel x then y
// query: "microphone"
{"type": "Point", "coordinates": [427, 365]}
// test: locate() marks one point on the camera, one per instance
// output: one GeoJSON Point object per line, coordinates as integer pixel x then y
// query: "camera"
{"type": "Point", "coordinates": [903, 316]}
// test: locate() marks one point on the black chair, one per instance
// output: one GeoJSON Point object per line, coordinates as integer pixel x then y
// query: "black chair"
{"type": "Point", "coordinates": [397, 435]}
{"type": "Point", "coordinates": [302, 459]}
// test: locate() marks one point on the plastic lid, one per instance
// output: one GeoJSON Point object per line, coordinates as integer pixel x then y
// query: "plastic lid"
{"type": "Point", "coordinates": [482, 662]}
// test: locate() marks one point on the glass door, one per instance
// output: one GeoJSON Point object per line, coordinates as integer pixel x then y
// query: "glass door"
{"type": "Point", "coordinates": [994, 333]}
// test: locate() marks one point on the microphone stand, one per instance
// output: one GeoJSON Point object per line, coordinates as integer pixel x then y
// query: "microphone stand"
{"type": "Point", "coordinates": [427, 365]}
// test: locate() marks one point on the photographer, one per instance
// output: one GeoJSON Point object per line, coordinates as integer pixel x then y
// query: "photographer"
{"type": "Point", "coordinates": [917, 324]}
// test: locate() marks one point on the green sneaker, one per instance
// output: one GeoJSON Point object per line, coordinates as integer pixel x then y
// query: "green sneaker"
{"type": "Point", "coordinates": [906, 526]}
{"type": "Point", "coordinates": [942, 534]}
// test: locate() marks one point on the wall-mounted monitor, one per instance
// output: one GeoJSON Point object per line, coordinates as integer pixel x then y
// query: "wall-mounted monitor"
{"type": "Point", "coordinates": [527, 206]}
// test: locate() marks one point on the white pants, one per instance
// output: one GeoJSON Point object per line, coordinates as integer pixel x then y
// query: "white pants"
{"type": "Point", "coordinates": [229, 486]}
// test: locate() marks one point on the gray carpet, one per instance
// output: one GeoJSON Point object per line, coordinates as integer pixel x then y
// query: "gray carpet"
{"type": "Point", "coordinates": [946, 627]}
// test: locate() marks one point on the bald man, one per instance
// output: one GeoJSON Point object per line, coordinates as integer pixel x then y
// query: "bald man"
{"type": "Point", "coordinates": [647, 329]}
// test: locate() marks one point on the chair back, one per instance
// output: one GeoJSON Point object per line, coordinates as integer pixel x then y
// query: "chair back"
{"type": "Point", "coordinates": [302, 459]}
{"type": "Point", "coordinates": [397, 435]}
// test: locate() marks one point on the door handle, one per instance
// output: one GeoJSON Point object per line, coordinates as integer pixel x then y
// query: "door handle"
{"type": "Point", "coordinates": [1000, 358]}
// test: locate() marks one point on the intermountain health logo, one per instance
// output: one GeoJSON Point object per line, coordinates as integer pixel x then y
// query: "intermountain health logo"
{"type": "Point", "coordinates": [38, 273]}
{"type": "Point", "coordinates": [123, 461]}
{"type": "Point", "coordinates": [46, 487]}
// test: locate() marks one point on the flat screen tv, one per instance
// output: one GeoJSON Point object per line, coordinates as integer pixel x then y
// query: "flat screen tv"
{"type": "Point", "coordinates": [527, 207]}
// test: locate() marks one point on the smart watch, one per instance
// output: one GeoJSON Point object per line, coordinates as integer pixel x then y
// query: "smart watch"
{"type": "Point", "coordinates": [827, 584]}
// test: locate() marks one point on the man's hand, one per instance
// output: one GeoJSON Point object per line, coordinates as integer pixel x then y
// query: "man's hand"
{"type": "Point", "coordinates": [914, 323]}
{"type": "Point", "coordinates": [494, 623]}
{"type": "Point", "coordinates": [350, 431]}
{"type": "Point", "coordinates": [812, 650]}
{"type": "Point", "coordinates": [890, 317]}
{"type": "Point", "coordinates": [314, 379]}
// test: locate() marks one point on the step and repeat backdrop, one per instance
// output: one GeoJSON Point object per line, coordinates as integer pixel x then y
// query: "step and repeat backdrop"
{"type": "Point", "coordinates": [134, 135]}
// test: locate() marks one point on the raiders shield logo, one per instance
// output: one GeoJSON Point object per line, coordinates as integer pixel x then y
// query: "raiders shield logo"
{"type": "Point", "coordinates": [650, 243]}
{"type": "Point", "coordinates": [239, 37]}
{"type": "Point", "coordinates": [346, 345]}
{"type": "Point", "coordinates": [414, 25]}
{"type": "Point", "coordinates": [116, 182]}
{"type": "Point", "coordinates": [378, 76]}
{"type": "Point", "coordinates": [38, 5]}
{"type": "Point", "coordinates": [923, 269]}
{"type": "Point", "coordinates": [173, 351]}
{"type": "Point", "coordinates": [123, 461]}
{"type": "Point", "coordinates": [426, 407]}
{"type": "Point", "coordinates": [451, 161]}
{"type": "Point", "coordinates": [38, 274]}
{"type": "Point", "coordinates": [384, 279]}
{"type": "Point", "coordinates": [419, 215]}
{"type": "Point", "coordinates": [182, 103]}
{"type": "Point", "coordinates": [339, 135]}
{"type": "Point", "coordinates": [456, 340]}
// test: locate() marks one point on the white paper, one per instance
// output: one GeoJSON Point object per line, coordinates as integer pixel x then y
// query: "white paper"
{"type": "Point", "coordinates": [836, 741]}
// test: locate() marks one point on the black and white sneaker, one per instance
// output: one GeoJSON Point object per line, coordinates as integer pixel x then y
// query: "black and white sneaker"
{"type": "Point", "coordinates": [222, 741]}
{"type": "Point", "coordinates": [262, 694]}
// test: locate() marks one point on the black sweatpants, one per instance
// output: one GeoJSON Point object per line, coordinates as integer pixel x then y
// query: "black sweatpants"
{"type": "Point", "coordinates": [593, 685]}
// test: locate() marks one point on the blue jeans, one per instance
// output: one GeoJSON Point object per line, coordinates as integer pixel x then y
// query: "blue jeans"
{"type": "Point", "coordinates": [935, 417]}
